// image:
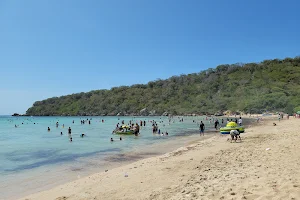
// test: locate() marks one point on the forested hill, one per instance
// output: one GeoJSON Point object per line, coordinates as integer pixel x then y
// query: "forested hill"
{"type": "Point", "coordinates": [272, 85]}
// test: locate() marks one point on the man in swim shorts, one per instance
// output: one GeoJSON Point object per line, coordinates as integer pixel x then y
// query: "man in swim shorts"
{"type": "Point", "coordinates": [202, 127]}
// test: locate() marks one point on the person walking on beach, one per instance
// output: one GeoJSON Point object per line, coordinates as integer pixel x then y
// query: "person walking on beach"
{"type": "Point", "coordinates": [202, 127]}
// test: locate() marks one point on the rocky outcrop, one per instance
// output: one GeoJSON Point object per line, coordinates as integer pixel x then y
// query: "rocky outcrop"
{"type": "Point", "coordinates": [165, 114]}
{"type": "Point", "coordinates": [218, 114]}
{"type": "Point", "coordinates": [152, 113]}
{"type": "Point", "coordinates": [144, 112]}
{"type": "Point", "coordinates": [120, 114]}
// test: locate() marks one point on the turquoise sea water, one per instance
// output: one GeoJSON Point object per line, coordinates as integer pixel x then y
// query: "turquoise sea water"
{"type": "Point", "coordinates": [31, 148]}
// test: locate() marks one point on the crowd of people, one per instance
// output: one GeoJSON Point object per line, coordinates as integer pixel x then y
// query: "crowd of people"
{"type": "Point", "coordinates": [136, 126]}
{"type": "Point", "coordinates": [217, 124]}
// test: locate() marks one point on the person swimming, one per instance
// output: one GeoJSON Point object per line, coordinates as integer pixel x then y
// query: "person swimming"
{"type": "Point", "coordinates": [48, 129]}
{"type": "Point", "coordinates": [82, 135]}
{"type": "Point", "coordinates": [120, 138]}
{"type": "Point", "coordinates": [111, 139]}
{"type": "Point", "coordinates": [71, 139]}
{"type": "Point", "coordinates": [61, 133]}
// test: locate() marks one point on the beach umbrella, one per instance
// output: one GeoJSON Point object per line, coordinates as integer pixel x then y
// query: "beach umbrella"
{"type": "Point", "coordinates": [298, 112]}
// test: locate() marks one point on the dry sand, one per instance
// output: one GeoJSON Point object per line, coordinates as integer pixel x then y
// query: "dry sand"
{"type": "Point", "coordinates": [208, 169]}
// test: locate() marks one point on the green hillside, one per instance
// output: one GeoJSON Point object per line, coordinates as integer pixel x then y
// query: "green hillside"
{"type": "Point", "coordinates": [272, 85]}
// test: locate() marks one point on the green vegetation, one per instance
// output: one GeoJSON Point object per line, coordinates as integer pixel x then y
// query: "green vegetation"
{"type": "Point", "coordinates": [272, 85]}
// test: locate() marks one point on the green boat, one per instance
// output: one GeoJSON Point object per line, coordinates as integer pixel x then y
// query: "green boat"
{"type": "Point", "coordinates": [129, 132]}
{"type": "Point", "coordinates": [231, 126]}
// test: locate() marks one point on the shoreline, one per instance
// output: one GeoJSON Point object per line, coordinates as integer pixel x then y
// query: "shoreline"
{"type": "Point", "coordinates": [71, 171]}
{"type": "Point", "coordinates": [191, 142]}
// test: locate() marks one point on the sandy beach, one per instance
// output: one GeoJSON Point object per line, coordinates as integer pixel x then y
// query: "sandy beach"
{"type": "Point", "coordinates": [263, 166]}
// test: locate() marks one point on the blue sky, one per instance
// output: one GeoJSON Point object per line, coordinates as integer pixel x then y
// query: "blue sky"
{"type": "Point", "coordinates": [57, 47]}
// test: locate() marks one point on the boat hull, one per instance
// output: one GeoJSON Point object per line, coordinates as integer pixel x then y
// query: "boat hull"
{"type": "Point", "coordinates": [226, 130]}
{"type": "Point", "coordinates": [124, 133]}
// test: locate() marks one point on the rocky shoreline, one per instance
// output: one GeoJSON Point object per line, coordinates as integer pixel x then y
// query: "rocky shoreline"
{"type": "Point", "coordinates": [142, 112]}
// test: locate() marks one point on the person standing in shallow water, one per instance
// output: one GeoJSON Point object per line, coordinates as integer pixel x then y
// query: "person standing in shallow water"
{"type": "Point", "coordinates": [216, 124]}
{"type": "Point", "coordinates": [69, 130]}
{"type": "Point", "coordinates": [202, 127]}
{"type": "Point", "coordinates": [240, 121]}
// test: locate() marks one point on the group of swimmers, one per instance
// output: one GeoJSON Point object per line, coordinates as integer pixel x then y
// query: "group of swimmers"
{"type": "Point", "coordinates": [133, 127]}
{"type": "Point", "coordinates": [69, 132]}
{"type": "Point", "coordinates": [83, 121]}
{"type": "Point", "coordinates": [122, 127]}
